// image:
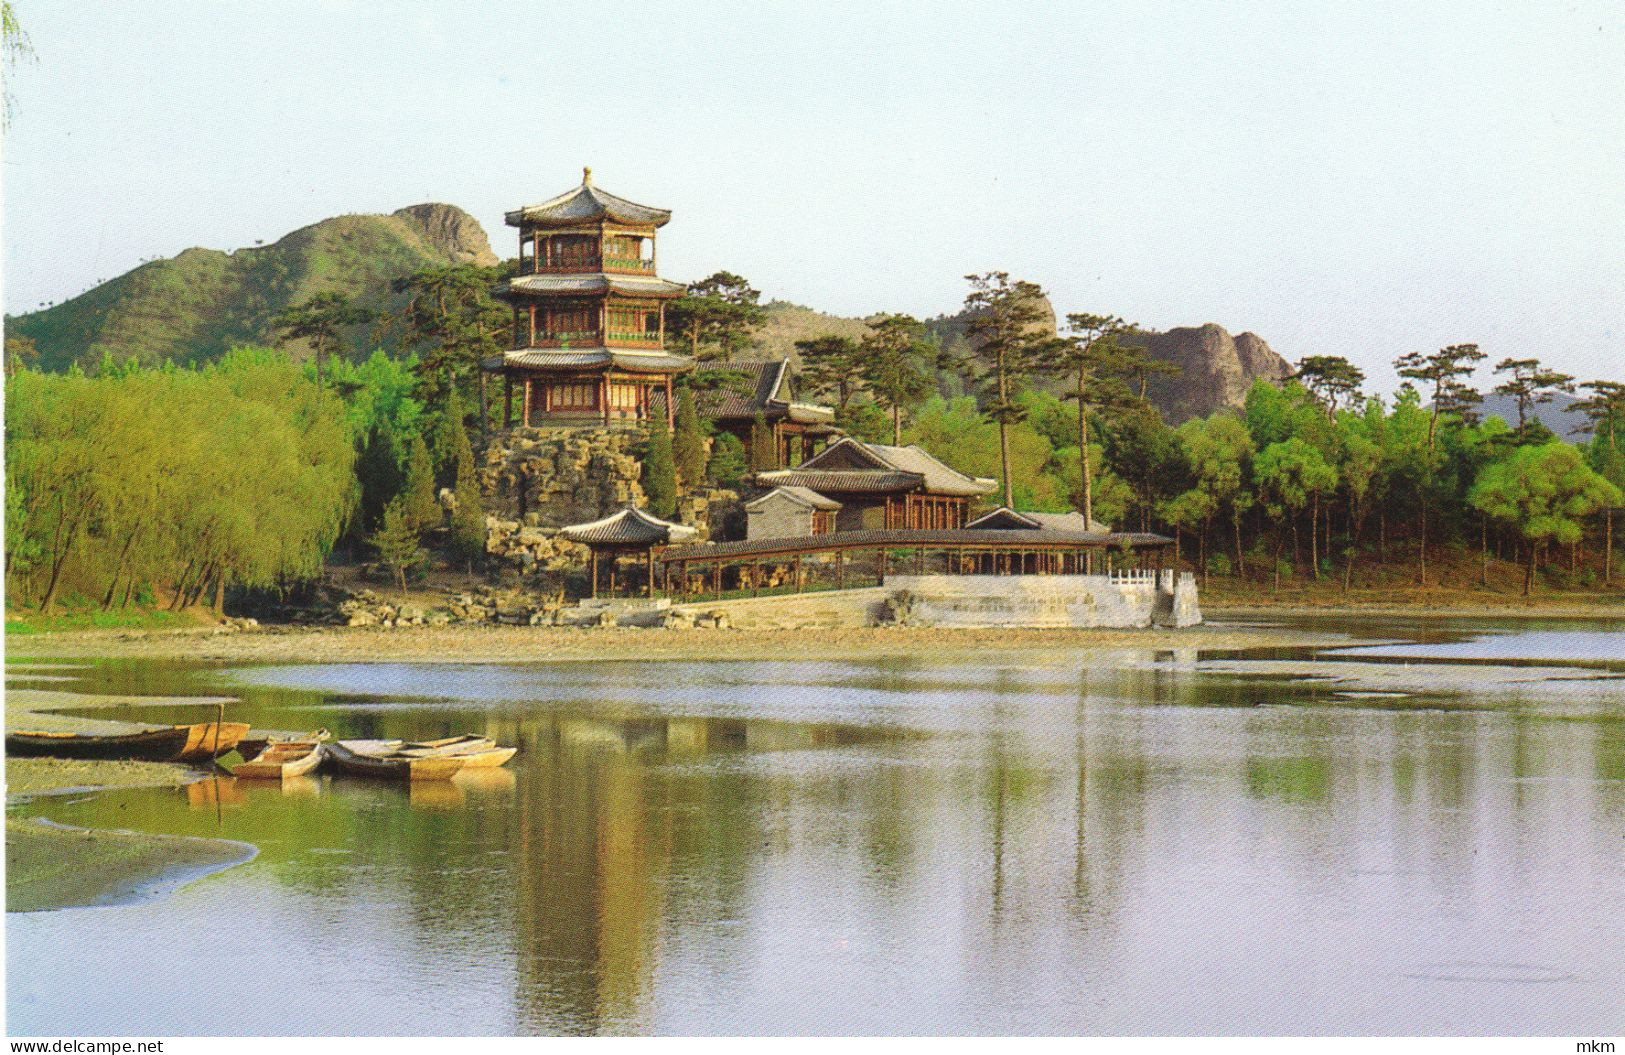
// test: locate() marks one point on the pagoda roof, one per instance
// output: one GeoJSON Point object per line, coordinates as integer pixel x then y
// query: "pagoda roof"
{"type": "Point", "coordinates": [630, 360]}
{"type": "Point", "coordinates": [630, 527]}
{"type": "Point", "coordinates": [592, 282]}
{"type": "Point", "coordinates": [587, 204]}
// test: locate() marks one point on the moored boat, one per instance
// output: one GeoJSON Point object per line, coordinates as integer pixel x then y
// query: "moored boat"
{"type": "Point", "coordinates": [206, 740]}
{"type": "Point", "coordinates": [178, 743]}
{"type": "Point", "coordinates": [473, 757]}
{"type": "Point", "coordinates": [386, 759]}
{"type": "Point", "coordinates": [150, 745]}
{"type": "Point", "coordinates": [283, 760]}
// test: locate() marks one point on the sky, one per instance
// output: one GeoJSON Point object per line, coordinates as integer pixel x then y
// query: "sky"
{"type": "Point", "coordinates": [1354, 178]}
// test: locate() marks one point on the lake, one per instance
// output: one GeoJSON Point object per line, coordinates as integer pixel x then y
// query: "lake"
{"type": "Point", "coordinates": [1147, 843]}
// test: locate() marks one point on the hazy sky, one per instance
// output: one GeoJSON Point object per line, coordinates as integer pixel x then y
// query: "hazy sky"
{"type": "Point", "coordinates": [1360, 179]}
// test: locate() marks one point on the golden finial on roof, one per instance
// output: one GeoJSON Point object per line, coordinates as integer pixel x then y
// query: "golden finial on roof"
{"type": "Point", "coordinates": [586, 175]}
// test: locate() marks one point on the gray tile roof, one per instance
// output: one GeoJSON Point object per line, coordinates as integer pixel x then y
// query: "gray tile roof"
{"type": "Point", "coordinates": [587, 204]}
{"type": "Point", "coordinates": [630, 527]}
{"type": "Point", "coordinates": [801, 495]}
{"type": "Point", "coordinates": [1005, 518]}
{"type": "Point", "coordinates": [842, 481]}
{"type": "Point", "coordinates": [596, 282]}
{"type": "Point", "coordinates": [588, 358]}
{"type": "Point", "coordinates": [937, 478]}
{"type": "Point", "coordinates": [767, 393]}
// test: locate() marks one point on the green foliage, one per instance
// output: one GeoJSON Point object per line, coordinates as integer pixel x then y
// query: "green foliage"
{"type": "Point", "coordinates": [195, 307]}
{"type": "Point", "coordinates": [320, 321]}
{"type": "Point", "coordinates": [1007, 345]}
{"type": "Point", "coordinates": [727, 465]}
{"type": "Point", "coordinates": [417, 493]}
{"type": "Point", "coordinates": [453, 453]}
{"type": "Point", "coordinates": [396, 540]}
{"type": "Point", "coordinates": [833, 366]}
{"type": "Point", "coordinates": [764, 453]}
{"type": "Point", "coordinates": [660, 471]}
{"type": "Point", "coordinates": [1291, 472]}
{"type": "Point", "coordinates": [866, 421]}
{"type": "Point", "coordinates": [468, 522]}
{"type": "Point", "coordinates": [896, 361]}
{"type": "Point", "coordinates": [717, 318]}
{"type": "Point", "coordinates": [241, 473]}
{"type": "Point", "coordinates": [1544, 492]}
{"type": "Point", "coordinates": [378, 472]}
{"type": "Point", "coordinates": [688, 443]}
{"type": "Point", "coordinates": [378, 391]}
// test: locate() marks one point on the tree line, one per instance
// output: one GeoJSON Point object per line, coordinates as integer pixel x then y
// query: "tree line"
{"type": "Point", "coordinates": [1310, 478]}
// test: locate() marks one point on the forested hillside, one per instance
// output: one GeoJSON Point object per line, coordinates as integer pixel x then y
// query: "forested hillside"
{"type": "Point", "coordinates": [195, 306]}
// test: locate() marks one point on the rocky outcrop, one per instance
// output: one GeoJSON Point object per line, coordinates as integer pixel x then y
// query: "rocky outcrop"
{"type": "Point", "coordinates": [535, 481]}
{"type": "Point", "coordinates": [450, 230]}
{"type": "Point", "coordinates": [557, 476]}
{"type": "Point", "coordinates": [1216, 369]}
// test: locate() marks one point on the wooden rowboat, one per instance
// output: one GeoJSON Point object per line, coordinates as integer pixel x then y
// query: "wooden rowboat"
{"type": "Point", "coordinates": [473, 758]}
{"type": "Point", "coordinates": [152, 745]}
{"type": "Point", "coordinates": [386, 760]}
{"type": "Point", "coordinates": [179, 743]}
{"type": "Point", "coordinates": [452, 745]}
{"type": "Point", "coordinates": [207, 740]}
{"type": "Point", "coordinates": [283, 760]}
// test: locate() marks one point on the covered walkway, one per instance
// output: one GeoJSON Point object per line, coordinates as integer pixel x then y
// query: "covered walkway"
{"type": "Point", "coordinates": [849, 559]}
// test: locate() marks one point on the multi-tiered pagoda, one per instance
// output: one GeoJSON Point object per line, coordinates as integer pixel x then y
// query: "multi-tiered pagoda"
{"type": "Point", "coordinates": [589, 313]}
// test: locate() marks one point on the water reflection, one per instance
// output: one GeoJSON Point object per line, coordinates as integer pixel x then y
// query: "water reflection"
{"type": "Point", "coordinates": [1028, 848]}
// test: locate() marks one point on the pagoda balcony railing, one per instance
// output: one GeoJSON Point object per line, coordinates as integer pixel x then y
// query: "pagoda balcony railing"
{"type": "Point", "coordinates": [592, 264]}
{"type": "Point", "coordinates": [558, 340]}
{"type": "Point", "coordinates": [642, 338]}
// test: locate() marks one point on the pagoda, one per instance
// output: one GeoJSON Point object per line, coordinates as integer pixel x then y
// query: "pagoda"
{"type": "Point", "coordinates": [589, 313]}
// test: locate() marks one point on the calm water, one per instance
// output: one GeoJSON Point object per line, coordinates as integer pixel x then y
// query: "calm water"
{"type": "Point", "coordinates": [934, 845]}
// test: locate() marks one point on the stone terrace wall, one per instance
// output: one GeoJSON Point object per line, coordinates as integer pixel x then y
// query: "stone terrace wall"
{"type": "Point", "coordinates": [1041, 600]}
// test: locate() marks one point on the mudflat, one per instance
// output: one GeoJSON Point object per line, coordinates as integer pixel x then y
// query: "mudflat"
{"type": "Point", "coordinates": [511, 644]}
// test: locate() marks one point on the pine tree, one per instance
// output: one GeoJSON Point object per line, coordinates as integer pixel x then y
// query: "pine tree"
{"type": "Point", "coordinates": [727, 463]}
{"type": "Point", "coordinates": [659, 472]}
{"type": "Point", "coordinates": [396, 540]}
{"type": "Point", "coordinates": [763, 456]}
{"type": "Point", "coordinates": [453, 454]}
{"type": "Point", "coordinates": [418, 493]}
{"type": "Point", "coordinates": [379, 473]}
{"type": "Point", "coordinates": [688, 444]}
{"type": "Point", "coordinates": [468, 522]}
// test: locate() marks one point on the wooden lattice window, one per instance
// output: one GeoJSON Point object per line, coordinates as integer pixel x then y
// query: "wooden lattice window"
{"type": "Point", "coordinates": [573, 397]}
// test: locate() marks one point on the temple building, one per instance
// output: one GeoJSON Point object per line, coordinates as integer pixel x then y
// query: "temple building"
{"type": "Point", "coordinates": [882, 488]}
{"type": "Point", "coordinates": [589, 313]}
{"type": "Point", "coordinates": [765, 392]}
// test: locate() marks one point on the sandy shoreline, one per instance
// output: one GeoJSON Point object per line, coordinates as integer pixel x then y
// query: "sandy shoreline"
{"type": "Point", "coordinates": [503, 644]}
